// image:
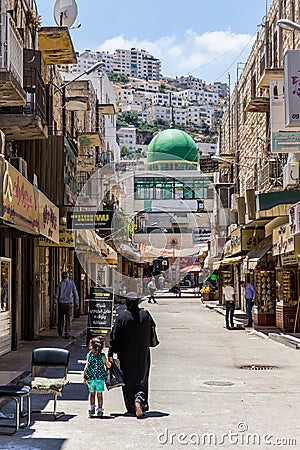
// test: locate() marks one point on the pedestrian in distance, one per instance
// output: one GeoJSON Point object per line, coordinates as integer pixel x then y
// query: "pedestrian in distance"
{"type": "Point", "coordinates": [177, 290]}
{"type": "Point", "coordinates": [130, 338]}
{"type": "Point", "coordinates": [161, 280]}
{"type": "Point", "coordinates": [66, 293]}
{"type": "Point", "coordinates": [95, 374]}
{"type": "Point", "coordinates": [250, 294]}
{"type": "Point", "coordinates": [152, 288]}
{"type": "Point", "coordinates": [145, 282]}
{"type": "Point", "coordinates": [229, 296]}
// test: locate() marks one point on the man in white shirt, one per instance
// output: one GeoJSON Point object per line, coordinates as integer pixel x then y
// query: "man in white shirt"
{"type": "Point", "coordinates": [229, 296]}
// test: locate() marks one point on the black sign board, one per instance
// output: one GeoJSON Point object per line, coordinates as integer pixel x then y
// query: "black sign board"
{"type": "Point", "coordinates": [89, 220]}
{"type": "Point", "coordinates": [208, 165]}
{"type": "Point", "coordinates": [100, 314]}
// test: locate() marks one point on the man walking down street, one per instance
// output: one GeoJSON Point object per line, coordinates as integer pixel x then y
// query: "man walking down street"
{"type": "Point", "coordinates": [250, 294]}
{"type": "Point", "coordinates": [65, 294]}
{"type": "Point", "coordinates": [152, 289]}
{"type": "Point", "coordinates": [229, 296]}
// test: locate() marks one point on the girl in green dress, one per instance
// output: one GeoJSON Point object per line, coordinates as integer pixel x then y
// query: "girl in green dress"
{"type": "Point", "coordinates": [95, 374]}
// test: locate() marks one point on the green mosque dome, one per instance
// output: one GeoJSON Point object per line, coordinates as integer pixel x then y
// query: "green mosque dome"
{"type": "Point", "coordinates": [172, 149]}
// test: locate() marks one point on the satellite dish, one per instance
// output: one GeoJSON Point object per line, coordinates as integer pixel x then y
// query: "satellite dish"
{"type": "Point", "coordinates": [65, 12]}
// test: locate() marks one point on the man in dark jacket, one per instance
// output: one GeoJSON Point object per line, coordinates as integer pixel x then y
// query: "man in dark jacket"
{"type": "Point", "coordinates": [130, 339]}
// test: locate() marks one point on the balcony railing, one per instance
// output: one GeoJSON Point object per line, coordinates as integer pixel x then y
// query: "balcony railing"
{"type": "Point", "coordinates": [11, 48]}
{"type": "Point", "coordinates": [35, 90]}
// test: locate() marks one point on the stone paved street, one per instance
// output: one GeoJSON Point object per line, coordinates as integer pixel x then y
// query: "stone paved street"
{"type": "Point", "coordinates": [197, 387]}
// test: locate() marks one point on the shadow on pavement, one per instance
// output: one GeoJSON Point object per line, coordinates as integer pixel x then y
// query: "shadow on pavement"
{"type": "Point", "coordinates": [148, 414]}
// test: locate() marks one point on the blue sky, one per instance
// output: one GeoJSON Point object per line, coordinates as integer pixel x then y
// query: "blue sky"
{"type": "Point", "coordinates": [205, 38]}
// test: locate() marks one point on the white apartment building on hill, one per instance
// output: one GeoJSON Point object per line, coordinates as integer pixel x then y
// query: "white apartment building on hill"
{"type": "Point", "coordinates": [138, 64]}
{"type": "Point", "coordinates": [131, 63]}
{"type": "Point", "coordinates": [127, 138]}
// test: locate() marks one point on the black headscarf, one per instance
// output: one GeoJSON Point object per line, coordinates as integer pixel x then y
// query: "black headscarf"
{"type": "Point", "coordinates": [132, 302]}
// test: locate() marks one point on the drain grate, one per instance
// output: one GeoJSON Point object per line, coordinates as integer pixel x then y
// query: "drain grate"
{"type": "Point", "coordinates": [258, 367]}
{"type": "Point", "coordinates": [218, 383]}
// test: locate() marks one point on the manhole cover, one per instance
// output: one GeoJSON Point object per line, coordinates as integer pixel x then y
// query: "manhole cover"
{"type": "Point", "coordinates": [218, 383]}
{"type": "Point", "coordinates": [258, 367]}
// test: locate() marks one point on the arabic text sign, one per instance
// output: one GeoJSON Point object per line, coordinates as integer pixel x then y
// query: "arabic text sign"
{"type": "Point", "coordinates": [292, 88]}
{"type": "Point", "coordinates": [65, 239]}
{"type": "Point", "coordinates": [19, 200]}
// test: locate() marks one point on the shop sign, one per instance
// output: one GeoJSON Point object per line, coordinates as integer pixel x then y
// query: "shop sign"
{"type": "Point", "coordinates": [100, 312]}
{"type": "Point", "coordinates": [48, 219]}
{"type": "Point", "coordinates": [292, 88]}
{"type": "Point", "coordinates": [201, 235]}
{"type": "Point", "coordinates": [283, 242]}
{"type": "Point", "coordinates": [227, 251]}
{"type": "Point", "coordinates": [217, 246]}
{"type": "Point", "coordinates": [65, 239]}
{"type": "Point", "coordinates": [294, 219]}
{"type": "Point", "coordinates": [283, 139]}
{"type": "Point", "coordinates": [89, 220]}
{"type": "Point", "coordinates": [19, 200]}
{"type": "Point", "coordinates": [86, 161]}
{"type": "Point", "coordinates": [208, 165]}
{"type": "Point", "coordinates": [289, 260]}
{"type": "Point", "coordinates": [245, 239]}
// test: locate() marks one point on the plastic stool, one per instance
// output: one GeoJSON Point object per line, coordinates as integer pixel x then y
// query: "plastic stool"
{"type": "Point", "coordinates": [17, 393]}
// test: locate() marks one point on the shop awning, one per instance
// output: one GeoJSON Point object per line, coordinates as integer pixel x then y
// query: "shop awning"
{"type": "Point", "coordinates": [269, 227]}
{"type": "Point", "coordinates": [56, 45]}
{"type": "Point", "coordinates": [260, 250]}
{"type": "Point", "coordinates": [232, 260]}
{"type": "Point", "coordinates": [129, 253]}
{"type": "Point", "coordinates": [216, 265]}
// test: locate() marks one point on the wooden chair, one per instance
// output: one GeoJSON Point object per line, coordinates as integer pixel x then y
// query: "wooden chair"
{"type": "Point", "coordinates": [49, 357]}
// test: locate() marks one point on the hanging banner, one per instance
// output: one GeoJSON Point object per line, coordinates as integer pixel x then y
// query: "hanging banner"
{"type": "Point", "coordinates": [292, 88]}
{"type": "Point", "coordinates": [283, 139]}
{"type": "Point", "coordinates": [294, 219]}
{"type": "Point", "coordinates": [19, 200]}
{"type": "Point", "coordinates": [48, 219]}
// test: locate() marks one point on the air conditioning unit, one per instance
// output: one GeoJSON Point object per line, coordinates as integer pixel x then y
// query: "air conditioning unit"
{"type": "Point", "coordinates": [20, 164]}
{"type": "Point", "coordinates": [290, 174]}
{"type": "Point", "coordinates": [233, 203]}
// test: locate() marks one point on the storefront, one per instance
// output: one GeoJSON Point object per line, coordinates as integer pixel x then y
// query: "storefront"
{"type": "Point", "coordinates": [261, 273]}
{"type": "Point", "coordinates": [19, 226]}
{"type": "Point", "coordinates": [243, 239]}
{"type": "Point", "coordinates": [5, 306]}
{"type": "Point", "coordinates": [286, 248]}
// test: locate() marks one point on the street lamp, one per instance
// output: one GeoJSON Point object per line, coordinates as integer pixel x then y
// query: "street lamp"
{"type": "Point", "coordinates": [288, 25]}
{"type": "Point", "coordinates": [88, 71]}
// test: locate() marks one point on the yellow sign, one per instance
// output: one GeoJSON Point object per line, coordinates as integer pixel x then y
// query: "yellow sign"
{"type": "Point", "coordinates": [244, 239]}
{"type": "Point", "coordinates": [65, 239]}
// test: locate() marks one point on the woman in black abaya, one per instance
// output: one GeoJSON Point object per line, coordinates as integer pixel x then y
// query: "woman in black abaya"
{"type": "Point", "coordinates": [130, 339]}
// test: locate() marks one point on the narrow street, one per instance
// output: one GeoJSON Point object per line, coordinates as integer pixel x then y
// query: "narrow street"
{"type": "Point", "coordinates": [198, 392]}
